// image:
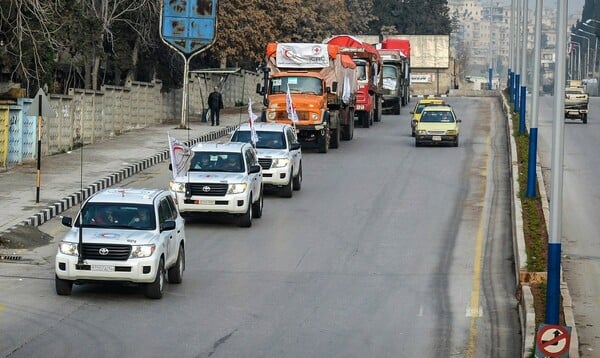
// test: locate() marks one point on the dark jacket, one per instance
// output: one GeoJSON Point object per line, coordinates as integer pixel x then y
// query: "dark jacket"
{"type": "Point", "coordinates": [215, 100]}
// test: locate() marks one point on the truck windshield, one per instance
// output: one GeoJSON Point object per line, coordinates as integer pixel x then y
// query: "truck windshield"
{"type": "Point", "coordinates": [389, 71]}
{"type": "Point", "coordinates": [361, 71]}
{"type": "Point", "coordinates": [306, 85]}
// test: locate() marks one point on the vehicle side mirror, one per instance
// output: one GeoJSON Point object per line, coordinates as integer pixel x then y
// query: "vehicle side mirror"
{"type": "Point", "coordinates": [67, 221]}
{"type": "Point", "coordinates": [458, 121]}
{"type": "Point", "coordinates": [254, 169]}
{"type": "Point", "coordinates": [295, 146]}
{"type": "Point", "coordinates": [328, 89]}
{"type": "Point", "coordinates": [334, 85]}
{"type": "Point", "coordinates": [170, 166]}
{"type": "Point", "coordinates": [167, 225]}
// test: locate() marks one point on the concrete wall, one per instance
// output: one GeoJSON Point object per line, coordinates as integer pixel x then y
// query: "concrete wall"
{"type": "Point", "coordinates": [83, 117]}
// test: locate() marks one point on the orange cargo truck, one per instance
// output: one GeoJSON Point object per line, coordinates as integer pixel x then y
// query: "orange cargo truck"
{"type": "Point", "coordinates": [321, 83]}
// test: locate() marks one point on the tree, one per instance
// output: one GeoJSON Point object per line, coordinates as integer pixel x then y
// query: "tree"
{"type": "Point", "coordinates": [414, 17]}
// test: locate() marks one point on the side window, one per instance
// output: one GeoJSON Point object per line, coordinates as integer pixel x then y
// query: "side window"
{"type": "Point", "coordinates": [172, 207]}
{"type": "Point", "coordinates": [250, 158]}
{"type": "Point", "coordinates": [164, 212]}
{"type": "Point", "coordinates": [290, 137]}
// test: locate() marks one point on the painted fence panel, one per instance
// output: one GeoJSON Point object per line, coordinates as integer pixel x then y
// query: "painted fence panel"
{"type": "Point", "coordinates": [4, 125]}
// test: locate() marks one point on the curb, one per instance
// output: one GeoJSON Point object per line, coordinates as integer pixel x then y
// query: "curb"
{"type": "Point", "coordinates": [77, 197]}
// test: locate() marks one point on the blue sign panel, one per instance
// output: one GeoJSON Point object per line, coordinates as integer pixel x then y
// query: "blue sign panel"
{"type": "Point", "coordinates": [189, 25]}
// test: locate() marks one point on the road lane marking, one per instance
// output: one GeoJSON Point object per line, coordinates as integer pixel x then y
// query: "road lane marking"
{"type": "Point", "coordinates": [420, 314]}
{"type": "Point", "coordinates": [474, 311]}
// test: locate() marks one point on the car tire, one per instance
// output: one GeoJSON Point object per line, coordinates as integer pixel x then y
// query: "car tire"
{"type": "Point", "coordinates": [155, 289]}
{"type": "Point", "coordinates": [63, 287]}
{"type": "Point", "coordinates": [176, 272]}
{"type": "Point", "coordinates": [245, 220]}
{"type": "Point", "coordinates": [287, 191]}
{"type": "Point", "coordinates": [417, 143]}
{"type": "Point", "coordinates": [257, 207]}
{"type": "Point", "coordinates": [298, 179]}
{"type": "Point", "coordinates": [455, 143]}
{"type": "Point", "coordinates": [584, 118]}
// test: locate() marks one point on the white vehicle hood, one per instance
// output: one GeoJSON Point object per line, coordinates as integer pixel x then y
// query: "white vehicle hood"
{"type": "Point", "coordinates": [212, 177]}
{"type": "Point", "coordinates": [112, 236]}
{"type": "Point", "coordinates": [272, 153]}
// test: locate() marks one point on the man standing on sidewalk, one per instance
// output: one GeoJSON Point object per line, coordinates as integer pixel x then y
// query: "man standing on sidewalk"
{"type": "Point", "coordinates": [215, 103]}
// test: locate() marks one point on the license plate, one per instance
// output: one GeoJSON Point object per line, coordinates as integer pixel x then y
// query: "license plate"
{"type": "Point", "coordinates": [436, 138]}
{"type": "Point", "coordinates": [205, 202]}
{"type": "Point", "coordinates": [102, 268]}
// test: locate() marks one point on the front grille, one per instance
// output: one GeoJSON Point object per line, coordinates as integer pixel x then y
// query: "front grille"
{"type": "Point", "coordinates": [265, 163]}
{"type": "Point", "coordinates": [436, 132]}
{"type": "Point", "coordinates": [209, 189]}
{"type": "Point", "coordinates": [302, 115]}
{"type": "Point", "coordinates": [113, 252]}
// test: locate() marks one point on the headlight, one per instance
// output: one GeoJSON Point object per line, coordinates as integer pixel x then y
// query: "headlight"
{"type": "Point", "coordinates": [68, 248]}
{"type": "Point", "coordinates": [271, 115]}
{"type": "Point", "coordinates": [421, 132]}
{"type": "Point", "coordinates": [314, 116]}
{"type": "Point", "coordinates": [138, 251]}
{"type": "Point", "coordinates": [237, 188]}
{"type": "Point", "coordinates": [280, 162]}
{"type": "Point", "coordinates": [451, 132]}
{"type": "Point", "coordinates": [177, 187]}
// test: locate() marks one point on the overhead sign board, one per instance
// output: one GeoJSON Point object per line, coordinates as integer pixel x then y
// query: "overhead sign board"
{"type": "Point", "coordinates": [189, 26]}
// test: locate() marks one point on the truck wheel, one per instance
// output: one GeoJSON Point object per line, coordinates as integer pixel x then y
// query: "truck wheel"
{"type": "Point", "coordinates": [176, 272]}
{"type": "Point", "coordinates": [245, 220]}
{"type": "Point", "coordinates": [364, 119]}
{"type": "Point", "coordinates": [63, 287]}
{"type": "Point", "coordinates": [335, 138]}
{"type": "Point", "coordinates": [155, 289]}
{"type": "Point", "coordinates": [396, 109]}
{"type": "Point", "coordinates": [298, 179]}
{"type": "Point", "coordinates": [377, 114]}
{"type": "Point", "coordinates": [324, 142]}
{"type": "Point", "coordinates": [257, 206]}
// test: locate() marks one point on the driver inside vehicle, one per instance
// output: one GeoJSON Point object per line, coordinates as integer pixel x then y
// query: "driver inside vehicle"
{"type": "Point", "coordinates": [141, 219]}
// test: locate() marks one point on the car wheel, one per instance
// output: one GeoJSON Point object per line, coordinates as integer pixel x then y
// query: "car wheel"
{"type": "Point", "coordinates": [245, 219]}
{"type": "Point", "coordinates": [257, 207]}
{"type": "Point", "coordinates": [176, 272]}
{"type": "Point", "coordinates": [63, 287]}
{"type": "Point", "coordinates": [155, 289]}
{"type": "Point", "coordinates": [417, 143]}
{"type": "Point", "coordinates": [287, 190]}
{"type": "Point", "coordinates": [455, 143]}
{"type": "Point", "coordinates": [298, 179]}
{"type": "Point", "coordinates": [584, 118]}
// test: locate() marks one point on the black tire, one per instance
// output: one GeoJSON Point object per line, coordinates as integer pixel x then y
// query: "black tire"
{"type": "Point", "coordinates": [396, 109]}
{"type": "Point", "coordinates": [417, 143]}
{"type": "Point", "coordinates": [364, 119]}
{"type": "Point", "coordinates": [245, 220]}
{"type": "Point", "coordinates": [298, 179]}
{"type": "Point", "coordinates": [324, 143]}
{"type": "Point", "coordinates": [584, 118]}
{"type": "Point", "coordinates": [335, 138]}
{"type": "Point", "coordinates": [455, 143]}
{"type": "Point", "coordinates": [377, 111]}
{"type": "Point", "coordinates": [155, 289]}
{"type": "Point", "coordinates": [176, 272]}
{"type": "Point", "coordinates": [288, 190]}
{"type": "Point", "coordinates": [257, 207]}
{"type": "Point", "coordinates": [63, 287]}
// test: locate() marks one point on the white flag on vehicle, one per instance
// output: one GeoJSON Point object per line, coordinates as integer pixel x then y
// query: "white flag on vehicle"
{"type": "Point", "coordinates": [251, 119]}
{"type": "Point", "coordinates": [291, 111]}
{"type": "Point", "coordinates": [180, 155]}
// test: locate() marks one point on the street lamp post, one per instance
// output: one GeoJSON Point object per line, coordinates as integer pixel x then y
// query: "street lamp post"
{"type": "Point", "coordinates": [577, 62]}
{"type": "Point", "coordinates": [587, 57]}
{"type": "Point", "coordinates": [595, 45]}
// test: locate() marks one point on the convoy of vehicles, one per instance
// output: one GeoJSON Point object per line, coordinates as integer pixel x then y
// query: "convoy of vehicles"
{"type": "Point", "coordinates": [438, 125]}
{"type": "Point", "coordinates": [370, 77]}
{"type": "Point", "coordinates": [223, 178]}
{"type": "Point", "coordinates": [313, 85]}
{"type": "Point", "coordinates": [279, 154]}
{"type": "Point", "coordinates": [576, 101]}
{"type": "Point", "coordinates": [419, 106]}
{"type": "Point", "coordinates": [396, 55]}
{"type": "Point", "coordinates": [123, 235]}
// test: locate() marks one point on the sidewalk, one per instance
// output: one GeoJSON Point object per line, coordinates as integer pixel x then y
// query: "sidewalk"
{"type": "Point", "coordinates": [104, 164]}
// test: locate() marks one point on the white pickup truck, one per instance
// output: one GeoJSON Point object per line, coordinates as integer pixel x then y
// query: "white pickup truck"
{"type": "Point", "coordinates": [576, 103]}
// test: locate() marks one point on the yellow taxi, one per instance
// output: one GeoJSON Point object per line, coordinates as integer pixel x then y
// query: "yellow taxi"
{"type": "Point", "coordinates": [416, 112]}
{"type": "Point", "coordinates": [438, 125]}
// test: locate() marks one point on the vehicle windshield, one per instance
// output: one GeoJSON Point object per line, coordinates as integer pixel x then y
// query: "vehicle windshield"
{"type": "Point", "coordinates": [117, 216]}
{"type": "Point", "coordinates": [217, 162]}
{"type": "Point", "coordinates": [389, 71]}
{"type": "Point", "coordinates": [361, 71]}
{"type": "Point", "coordinates": [268, 140]}
{"type": "Point", "coordinates": [306, 85]}
{"type": "Point", "coordinates": [437, 116]}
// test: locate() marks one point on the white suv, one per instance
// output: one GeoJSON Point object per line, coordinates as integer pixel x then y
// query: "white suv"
{"type": "Point", "coordinates": [126, 235]}
{"type": "Point", "coordinates": [222, 178]}
{"type": "Point", "coordinates": [279, 155]}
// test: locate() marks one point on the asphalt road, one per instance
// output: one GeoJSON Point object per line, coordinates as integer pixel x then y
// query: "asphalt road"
{"type": "Point", "coordinates": [580, 234]}
{"type": "Point", "coordinates": [387, 251]}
